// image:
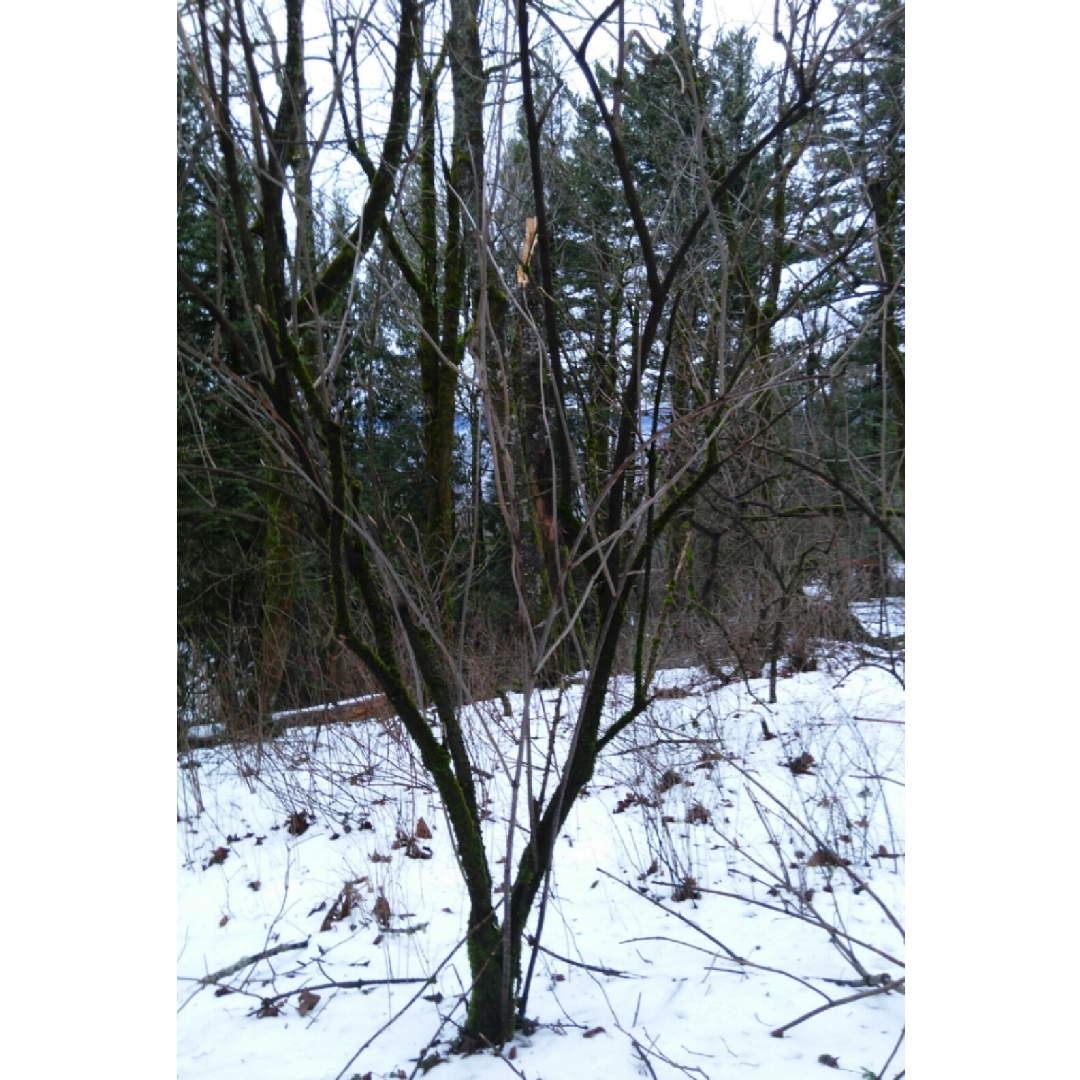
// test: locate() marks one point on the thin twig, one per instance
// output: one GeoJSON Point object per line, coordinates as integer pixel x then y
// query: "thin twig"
{"type": "Point", "coordinates": [866, 776]}
{"type": "Point", "coordinates": [896, 984]}
{"type": "Point", "coordinates": [644, 1057]}
{"type": "Point", "coordinates": [355, 984]}
{"type": "Point", "coordinates": [408, 1005]}
{"type": "Point", "coordinates": [689, 922]}
{"type": "Point", "coordinates": [247, 961]}
{"type": "Point", "coordinates": [812, 834]}
{"type": "Point", "coordinates": [580, 964]}
{"type": "Point", "coordinates": [685, 1069]}
{"type": "Point", "coordinates": [739, 960]}
{"type": "Point", "coordinates": [821, 924]}
{"type": "Point", "coordinates": [881, 1072]}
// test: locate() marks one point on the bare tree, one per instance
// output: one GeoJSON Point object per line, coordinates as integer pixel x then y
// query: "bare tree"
{"type": "Point", "coordinates": [588, 493]}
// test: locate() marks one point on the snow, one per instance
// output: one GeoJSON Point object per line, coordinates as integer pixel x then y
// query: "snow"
{"type": "Point", "coordinates": [205, 731]}
{"type": "Point", "coordinates": [697, 995]}
{"type": "Point", "coordinates": [883, 619]}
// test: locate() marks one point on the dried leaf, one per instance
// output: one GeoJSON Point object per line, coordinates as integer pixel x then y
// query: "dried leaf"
{"type": "Point", "coordinates": [268, 1009]}
{"type": "Point", "coordinates": [828, 1059]}
{"type": "Point", "coordinates": [307, 1002]}
{"type": "Point", "coordinates": [884, 853]}
{"type": "Point", "coordinates": [376, 857]}
{"type": "Point", "coordinates": [422, 830]}
{"type": "Point", "coordinates": [342, 908]}
{"type": "Point", "coordinates": [634, 799]}
{"type": "Point", "coordinates": [218, 857]}
{"type": "Point", "coordinates": [594, 1031]}
{"type": "Point", "coordinates": [298, 823]}
{"type": "Point", "coordinates": [686, 891]}
{"type": "Point", "coordinates": [254, 886]}
{"type": "Point", "coordinates": [824, 857]}
{"type": "Point", "coordinates": [224, 920]}
{"type": "Point", "coordinates": [800, 766]}
{"type": "Point", "coordinates": [382, 911]}
{"type": "Point", "coordinates": [414, 851]}
{"type": "Point", "coordinates": [669, 780]}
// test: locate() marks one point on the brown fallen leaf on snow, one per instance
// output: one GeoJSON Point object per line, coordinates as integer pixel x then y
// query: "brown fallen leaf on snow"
{"type": "Point", "coordinates": [307, 1002]}
{"type": "Point", "coordinates": [422, 830]}
{"type": "Point", "coordinates": [382, 911]}
{"type": "Point", "coordinates": [669, 780]}
{"type": "Point", "coordinates": [342, 907]}
{"type": "Point", "coordinates": [823, 857]}
{"type": "Point", "coordinates": [884, 853]}
{"type": "Point", "coordinates": [414, 851]}
{"type": "Point", "coordinates": [594, 1031]}
{"type": "Point", "coordinates": [653, 867]}
{"type": "Point", "coordinates": [800, 766]}
{"type": "Point", "coordinates": [218, 857]}
{"type": "Point", "coordinates": [686, 891]}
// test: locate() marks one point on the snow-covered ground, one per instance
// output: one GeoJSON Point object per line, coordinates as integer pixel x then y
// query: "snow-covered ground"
{"type": "Point", "coordinates": [696, 906]}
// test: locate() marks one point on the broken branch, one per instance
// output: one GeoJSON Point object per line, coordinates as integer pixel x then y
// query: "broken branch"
{"type": "Point", "coordinates": [247, 961]}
